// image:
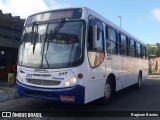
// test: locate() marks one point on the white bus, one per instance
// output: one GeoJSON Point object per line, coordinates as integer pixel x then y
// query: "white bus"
{"type": "Point", "coordinates": [76, 56]}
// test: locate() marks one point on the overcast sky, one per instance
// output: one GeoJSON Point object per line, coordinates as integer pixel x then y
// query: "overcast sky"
{"type": "Point", "coordinates": [139, 17]}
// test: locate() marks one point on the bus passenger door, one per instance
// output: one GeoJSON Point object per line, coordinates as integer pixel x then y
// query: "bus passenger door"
{"type": "Point", "coordinates": [96, 59]}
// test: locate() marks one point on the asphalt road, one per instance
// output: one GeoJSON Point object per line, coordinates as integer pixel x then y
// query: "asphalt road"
{"type": "Point", "coordinates": [147, 98]}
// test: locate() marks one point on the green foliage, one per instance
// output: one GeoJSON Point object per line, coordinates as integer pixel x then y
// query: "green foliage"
{"type": "Point", "coordinates": [153, 50]}
{"type": "Point", "coordinates": [158, 50]}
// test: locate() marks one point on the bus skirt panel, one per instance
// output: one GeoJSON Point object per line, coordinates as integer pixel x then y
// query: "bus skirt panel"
{"type": "Point", "coordinates": [73, 95]}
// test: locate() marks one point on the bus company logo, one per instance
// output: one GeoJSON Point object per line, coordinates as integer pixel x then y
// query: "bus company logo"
{"type": "Point", "coordinates": [6, 114]}
{"type": "Point", "coordinates": [41, 70]}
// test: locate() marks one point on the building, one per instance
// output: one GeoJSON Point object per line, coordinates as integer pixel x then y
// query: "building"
{"type": "Point", "coordinates": [10, 33]}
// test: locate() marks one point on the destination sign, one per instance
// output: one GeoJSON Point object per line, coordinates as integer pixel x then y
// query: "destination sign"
{"type": "Point", "coordinates": [55, 15]}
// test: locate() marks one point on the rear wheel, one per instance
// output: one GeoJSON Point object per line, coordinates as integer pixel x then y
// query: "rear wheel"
{"type": "Point", "coordinates": [108, 92]}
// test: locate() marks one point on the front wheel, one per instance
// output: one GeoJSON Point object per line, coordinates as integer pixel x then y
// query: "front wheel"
{"type": "Point", "coordinates": [108, 92]}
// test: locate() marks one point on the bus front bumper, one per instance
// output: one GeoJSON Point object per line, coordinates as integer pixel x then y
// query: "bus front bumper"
{"type": "Point", "coordinates": [73, 95]}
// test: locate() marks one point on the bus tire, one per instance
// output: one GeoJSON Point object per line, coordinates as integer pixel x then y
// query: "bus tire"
{"type": "Point", "coordinates": [139, 84]}
{"type": "Point", "coordinates": [108, 92]}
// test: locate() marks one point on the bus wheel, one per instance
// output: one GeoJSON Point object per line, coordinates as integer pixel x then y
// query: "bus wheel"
{"type": "Point", "coordinates": [108, 92]}
{"type": "Point", "coordinates": [139, 84]}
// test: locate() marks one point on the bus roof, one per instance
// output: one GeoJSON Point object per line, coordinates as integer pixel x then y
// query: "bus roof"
{"type": "Point", "coordinates": [88, 11]}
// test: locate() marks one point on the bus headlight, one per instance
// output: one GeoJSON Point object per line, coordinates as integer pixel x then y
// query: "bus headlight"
{"type": "Point", "coordinates": [70, 82]}
{"type": "Point", "coordinates": [19, 77]}
{"type": "Point", "coordinates": [67, 83]}
{"type": "Point", "coordinates": [73, 80]}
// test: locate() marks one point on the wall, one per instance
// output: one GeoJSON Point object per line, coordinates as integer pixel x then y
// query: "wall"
{"type": "Point", "coordinates": [9, 38]}
{"type": "Point", "coordinates": [154, 66]}
{"type": "Point", "coordinates": [9, 43]}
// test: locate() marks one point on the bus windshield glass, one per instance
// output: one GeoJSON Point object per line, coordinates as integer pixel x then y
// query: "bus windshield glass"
{"type": "Point", "coordinates": [52, 45]}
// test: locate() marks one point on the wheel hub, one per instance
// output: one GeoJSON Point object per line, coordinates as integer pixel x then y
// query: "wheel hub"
{"type": "Point", "coordinates": [107, 91]}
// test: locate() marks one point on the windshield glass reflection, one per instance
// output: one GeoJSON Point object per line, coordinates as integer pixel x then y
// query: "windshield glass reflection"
{"type": "Point", "coordinates": [52, 48]}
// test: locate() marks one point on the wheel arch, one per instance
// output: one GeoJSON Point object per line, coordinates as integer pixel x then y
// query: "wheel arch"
{"type": "Point", "coordinates": [112, 77]}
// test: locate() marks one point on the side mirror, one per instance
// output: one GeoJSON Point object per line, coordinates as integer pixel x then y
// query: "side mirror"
{"type": "Point", "coordinates": [94, 37]}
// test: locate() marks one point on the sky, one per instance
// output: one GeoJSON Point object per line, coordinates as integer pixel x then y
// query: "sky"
{"type": "Point", "coordinates": [141, 18]}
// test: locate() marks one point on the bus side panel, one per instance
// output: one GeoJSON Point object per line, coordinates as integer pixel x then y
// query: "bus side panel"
{"type": "Point", "coordinates": [131, 68]}
{"type": "Point", "coordinates": [97, 82]}
{"type": "Point", "coordinates": [116, 63]}
{"type": "Point", "coordinates": [145, 66]}
{"type": "Point", "coordinates": [126, 70]}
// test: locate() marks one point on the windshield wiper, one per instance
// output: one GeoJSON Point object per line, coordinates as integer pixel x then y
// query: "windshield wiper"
{"type": "Point", "coordinates": [56, 30]}
{"type": "Point", "coordinates": [34, 34]}
{"type": "Point", "coordinates": [51, 35]}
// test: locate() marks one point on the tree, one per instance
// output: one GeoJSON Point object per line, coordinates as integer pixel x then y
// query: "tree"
{"type": "Point", "coordinates": [153, 50]}
{"type": "Point", "coordinates": [158, 50]}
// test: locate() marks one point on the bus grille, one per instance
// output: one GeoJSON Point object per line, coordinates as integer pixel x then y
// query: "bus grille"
{"type": "Point", "coordinates": [43, 82]}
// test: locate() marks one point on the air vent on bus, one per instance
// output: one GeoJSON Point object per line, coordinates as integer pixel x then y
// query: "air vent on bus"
{"type": "Point", "coordinates": [37, 75]}
{"type": "Point", "coordinates": [43, 82]}
{"type": "Point", "coordinates": [46, 75]}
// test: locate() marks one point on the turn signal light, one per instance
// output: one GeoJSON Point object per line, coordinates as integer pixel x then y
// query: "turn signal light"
{"type": "Point", "coordinates": [80, 75]}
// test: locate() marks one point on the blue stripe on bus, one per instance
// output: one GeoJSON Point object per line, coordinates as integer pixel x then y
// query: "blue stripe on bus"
{"type": "Point", "coordinates": [52, 93]}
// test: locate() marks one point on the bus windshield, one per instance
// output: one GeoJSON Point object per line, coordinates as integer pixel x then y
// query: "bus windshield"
{"type": "Point", "coordinates": [52, 45]}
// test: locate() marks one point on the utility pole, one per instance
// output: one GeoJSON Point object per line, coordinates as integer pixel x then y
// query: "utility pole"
{"type": "Point", "coordinates": [120, 17]}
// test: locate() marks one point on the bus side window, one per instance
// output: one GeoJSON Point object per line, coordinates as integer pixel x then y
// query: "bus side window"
{"type": "Point", "coordinates": [95, 35]}
{"type": "Point", "coordinates": [123, 44]}
{"type": "Point", "coordinates": [91, 23]}
{"type": "Point", "coordinates": [145, 53]}
{"type": "Point", "coordinates": [100, 37]}
{"type": "Point", "coordinates": [128, 42]}
{"type": "Point", "coordinates": [131, 48]}
{"type": "Point", "coordinates": [95, 42]}
{"type": "Point", "coordinates": [142, 52]}
{"type": "Point", "coordinates": [112, 42]}
{"type": "Point", "coordinates": [138, 53]}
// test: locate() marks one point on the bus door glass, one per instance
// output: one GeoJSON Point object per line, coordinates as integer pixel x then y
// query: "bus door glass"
{"type": "Point", "coordinates": [96, 57]}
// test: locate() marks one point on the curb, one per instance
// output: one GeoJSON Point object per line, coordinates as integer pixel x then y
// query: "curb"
{"type": "Point", "coordinates": [154, 76]}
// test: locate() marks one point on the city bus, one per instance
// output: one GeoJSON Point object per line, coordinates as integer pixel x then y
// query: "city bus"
{"type": "Point", "coordinates": [76, 56]}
